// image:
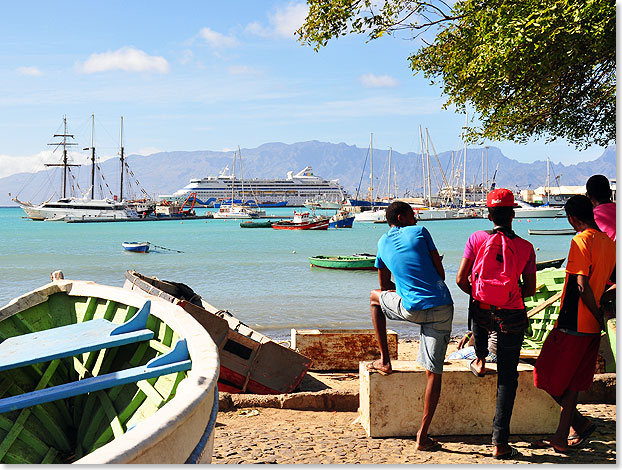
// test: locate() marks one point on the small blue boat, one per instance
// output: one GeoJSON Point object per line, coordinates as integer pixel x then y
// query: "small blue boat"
{"type": "Point", "coordinates": [138, 247]}
{"type": "Point", "coordinates": [342, 219]}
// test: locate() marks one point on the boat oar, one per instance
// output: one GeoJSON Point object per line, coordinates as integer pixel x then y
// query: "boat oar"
{"type": "Point", "coordinates": [163, 248]}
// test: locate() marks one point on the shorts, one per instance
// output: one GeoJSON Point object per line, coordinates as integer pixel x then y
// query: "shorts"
{"type": "Point", "coordinates": [435, 325]}
{"type": "Point", "coordinates": [566, 362]}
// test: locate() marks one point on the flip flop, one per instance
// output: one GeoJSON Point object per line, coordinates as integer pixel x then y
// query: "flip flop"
{"type": "Point", "coordinates": [582, 436]}
{"type": "Point", "coordinates": [372, 368]}
{"type": "Point", "coordinates": [434, 445]}
{"type": "Point", "coordinates": [512, 454]}
{"type": "Point", "coordinates": [474, 370]}
{"type": "Point", "coordinates": [546, 444]}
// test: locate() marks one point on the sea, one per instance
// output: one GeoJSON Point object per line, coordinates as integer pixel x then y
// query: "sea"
{"type": "Point", "coordinates": [261, 276]}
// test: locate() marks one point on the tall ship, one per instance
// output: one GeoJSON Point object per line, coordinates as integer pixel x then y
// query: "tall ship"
{"type": "Point", "coordinates": [293, 190]}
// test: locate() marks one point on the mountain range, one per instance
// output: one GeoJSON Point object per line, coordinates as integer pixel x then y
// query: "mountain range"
{"type": "Point", "coordinates": [165, 172]}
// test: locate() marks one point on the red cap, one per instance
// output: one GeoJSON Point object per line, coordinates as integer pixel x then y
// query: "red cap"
{"type": "Point", "coordinates": [500, 198]}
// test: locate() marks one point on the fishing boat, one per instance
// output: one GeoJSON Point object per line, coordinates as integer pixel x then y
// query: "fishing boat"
{"type": "Point", "coordinates": [353, 262]}
{"type": "Point", "coordinates": [256, 224]}
{"type": "Point", "coordinates": [137, 247]}
{"type": "Point", "coordinates": [552, 263]}
{"type": "Point", "coordinates": [559, 231]}
{"type": "Point", "coordinates": [341, 219]}
{"type": "Point", "coordinates": [249, 361]}
{"type": "Point", "coordinates": [96, 374]}
{"type": "Point", "coordinates": [303, 221]}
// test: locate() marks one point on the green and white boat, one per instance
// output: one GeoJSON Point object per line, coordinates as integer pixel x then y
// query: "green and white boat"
{"type": "Point", "coordinates": [97, 374]}
{"type": "Point", "coordinates": [362, 261]}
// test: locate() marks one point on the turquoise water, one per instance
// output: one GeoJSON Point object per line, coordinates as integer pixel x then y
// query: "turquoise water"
{"type": "Point", "coordinates": [262, 276]}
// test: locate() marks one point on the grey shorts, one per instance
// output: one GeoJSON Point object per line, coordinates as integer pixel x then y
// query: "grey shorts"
{"type": "Point", "coordinates": [435, 325]}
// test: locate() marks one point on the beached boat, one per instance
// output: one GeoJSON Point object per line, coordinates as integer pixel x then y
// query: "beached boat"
{"type": "Point", "coordinates": [256, 224]}
{"type": "Point", "coordinates": [552, 263]}
{"type": "Point", "coordinates": [138, 247]}
{"type": "Point", "coordinates": [303, 221]}
{"type": "Point", "coordinates": [97, 374]}
{"type": "Point", "coordinates": [354, 262]}
{"type": "Point", "coordinates": [249, 361]}
{"type": "Point", "coordinates": [342, 219]}
{"type": "Point", "coordinates": [558, 231]}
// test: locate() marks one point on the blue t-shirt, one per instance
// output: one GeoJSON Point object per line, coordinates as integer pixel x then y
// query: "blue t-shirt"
{"type": "Point", "coordinates": [405, 251]}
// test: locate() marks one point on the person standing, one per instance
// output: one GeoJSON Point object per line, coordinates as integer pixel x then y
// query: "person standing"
{"type": "Point", "coordinates": [567, 362]}
{"type": "Point", "coordinates": [490, 271]}
{"type": "Point", "coordinates": [419, 295]}
{"type": "Point", "coordinates": [599, 193]}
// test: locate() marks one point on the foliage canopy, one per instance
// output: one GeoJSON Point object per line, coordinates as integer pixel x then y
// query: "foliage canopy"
{"type": "Point", "coordinates": [540, 68]}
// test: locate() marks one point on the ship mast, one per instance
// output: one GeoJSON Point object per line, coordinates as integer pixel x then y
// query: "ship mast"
{"type": "Point", "coordinates": [65, 163]}
{"type": "Point", "coordinates": [122, 161]}
{"type": "Point", "coordinates": [92, 148]}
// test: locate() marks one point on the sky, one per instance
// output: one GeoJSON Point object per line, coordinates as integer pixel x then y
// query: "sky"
{"type": "Point", "coordinates": [210, 75]}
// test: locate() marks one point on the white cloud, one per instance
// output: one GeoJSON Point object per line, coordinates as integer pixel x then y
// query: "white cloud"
{"type": "Point", "coordinates": [30, 71]}
{"type": "Point", "coordinates": [371, 80]}
{"type": "Point", "coordinates": [146, 151]}
{"type": "Point", "coordinates": [128, 59]}
{"type": "Point", "coordinates": [186, 57]}
{"type": "Point", "coordinates": [216, 39]}
{"type": "Point", "coordinates": [283, 22]}
{"type": "Point", "coordinates": [12, 164]}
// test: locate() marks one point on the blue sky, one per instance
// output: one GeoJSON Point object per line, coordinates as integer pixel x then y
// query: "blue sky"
{"type": "Point", "coordinates": [210, 75]}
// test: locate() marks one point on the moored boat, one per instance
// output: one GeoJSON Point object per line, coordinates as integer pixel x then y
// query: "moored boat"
{"type": "Point", "coordinates": [373, 216]}
{"type": "Point", "coordinates": [97, 374]}
{"type": "Point", "coordinates": [354, 262]}
{"type": "Point", "coordinates": [552, 263]}
{"type": "Point", "coordinates": [138, 247]}
{"type": "Point", "coordinates": [559, 231]}
{"type": "Point", "coordinates": [341, 219]}
{"type": "Point", "coordinates": [303, 221]}
{"type": "Point", "coordinates": [256, 224]}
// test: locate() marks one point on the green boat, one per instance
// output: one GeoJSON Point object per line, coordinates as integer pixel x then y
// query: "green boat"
{"type": "Point", "coordinates": [256, 224]}
{"type": "Point", "coordinates": [97, 374]}
{"type": "Point", "coordinates": [362, 261]}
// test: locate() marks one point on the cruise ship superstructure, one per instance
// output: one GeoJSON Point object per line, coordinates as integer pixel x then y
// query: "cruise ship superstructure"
{"type": "Point", "coordinates": [291, 191]}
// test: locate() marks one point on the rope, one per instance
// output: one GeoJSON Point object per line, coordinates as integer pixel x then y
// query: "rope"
{"type": "Point", "coordinates": [163, 248]}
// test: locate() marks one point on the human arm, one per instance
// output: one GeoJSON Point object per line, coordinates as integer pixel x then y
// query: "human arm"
{"type": "Point", "coordinates": [587, 296]}
{"type": "Point", "coordinates": [528, 287]}
{"type": "Point", "coordinates": [467, 340]}
{"type": "Point", "coordinates": [438, 263]}
{"type": "Point", "coordinates": [462, 278]}
{"type": "Point", "coordinates": [384, 278]}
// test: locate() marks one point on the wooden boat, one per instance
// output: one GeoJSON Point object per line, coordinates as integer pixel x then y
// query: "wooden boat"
{"type": "Point", "coordinates": [249, 361]}
{"type": "Point", "coordinates": [341, 219]}
{"type": "Point", "coordinates": [559, 231]}
{"type": "Point", "coordinates": [552, 263]}
{"type": "Point", "coordinates": [138, 247]}
{"type": "Point", "coordinates": [256, 224]}
{"type": "Point", "coordinates": [97, 374]}
{"type": "Point", "coordinates": [360, 262]}
{"type": "Point", "coordinates": [303, 221]}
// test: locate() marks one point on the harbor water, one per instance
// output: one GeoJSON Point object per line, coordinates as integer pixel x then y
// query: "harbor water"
{"type": "Point", "coordinates": [262, 276]}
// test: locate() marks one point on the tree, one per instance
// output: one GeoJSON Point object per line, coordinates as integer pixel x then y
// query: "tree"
{"type": "Point", "coordinates": [541, 68]}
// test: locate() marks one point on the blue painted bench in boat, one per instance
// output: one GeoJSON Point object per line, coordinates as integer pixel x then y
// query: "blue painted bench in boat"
{"type": "Point", "coordinates": [71, 340]}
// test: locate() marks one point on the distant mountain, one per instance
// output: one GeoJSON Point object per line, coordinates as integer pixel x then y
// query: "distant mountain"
{"type": "Point", "coordinates": [165, 172]}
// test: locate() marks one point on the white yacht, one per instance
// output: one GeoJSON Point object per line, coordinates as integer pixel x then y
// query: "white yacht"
{"type": "Point", "coordinates": [72, 208]}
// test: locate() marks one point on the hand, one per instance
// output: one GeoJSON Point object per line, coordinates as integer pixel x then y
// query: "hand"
{"type": "Point", "coordinates": [464, 341]}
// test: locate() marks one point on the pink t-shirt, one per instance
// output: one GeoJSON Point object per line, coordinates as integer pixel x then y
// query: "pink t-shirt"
{"type": "Point", "coordinates": [526, 255]}
{"type": "Point", "coordinates": [605, 218]}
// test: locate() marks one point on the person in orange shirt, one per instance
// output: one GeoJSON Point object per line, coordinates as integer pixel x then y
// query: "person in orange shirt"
{"type": "Point", "coordinates": [567, 362]}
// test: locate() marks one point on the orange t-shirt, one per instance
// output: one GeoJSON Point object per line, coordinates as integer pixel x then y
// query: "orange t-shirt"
{"type": "Point", "coordinates": [592, 254]}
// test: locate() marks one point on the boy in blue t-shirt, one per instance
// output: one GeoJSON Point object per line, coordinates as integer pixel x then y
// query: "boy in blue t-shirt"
{"type": "Point", "coordinates": [419, 295]}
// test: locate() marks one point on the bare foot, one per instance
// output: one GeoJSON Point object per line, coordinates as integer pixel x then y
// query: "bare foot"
{"type": "Point", "coordinates": [427, 444]}
{"type": "Point", "coordinates": [380, 367]}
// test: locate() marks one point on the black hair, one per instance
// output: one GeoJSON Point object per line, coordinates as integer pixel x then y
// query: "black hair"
{"type": "Point", "coordinates": [396, 208]}
{"type": "Point", "coordinates": [598, 187]}
{"type": "Point", "coordinates": [580, 207]}
{"type": "Point", "coordinates": [501, 215]}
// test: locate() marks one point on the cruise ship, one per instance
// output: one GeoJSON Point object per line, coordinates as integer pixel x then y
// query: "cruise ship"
{"type": "Point", "coordinates": [291, 191]}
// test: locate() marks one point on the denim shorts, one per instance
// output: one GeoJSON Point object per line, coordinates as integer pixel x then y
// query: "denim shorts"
{"type": "Point", "coordinates": [435, 325]}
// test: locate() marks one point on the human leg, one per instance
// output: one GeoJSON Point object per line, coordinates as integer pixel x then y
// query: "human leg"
{"type": "Point", "coordinates": [480, 338]}
{"type": "Point", "coordinates": [380, 328]}
{"type": "Point", "coordinates": [430, 401]}
{"type": "Point", "coordinates": [508, 353]}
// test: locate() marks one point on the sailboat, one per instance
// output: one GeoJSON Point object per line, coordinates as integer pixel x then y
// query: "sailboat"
{"type": "Point", "coordinates": [73, 208]}
{"type": "Point", "coordinates": [230, 209]}
{"type": "Point", "coordinates": [376, 214]}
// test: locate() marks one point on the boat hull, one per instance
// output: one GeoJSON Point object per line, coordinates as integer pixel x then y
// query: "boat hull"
{"type": "Point", "coordinates": [344, 262]}
{"type": "Point", "coordinates": [175, 428]}
{"type": "Point", "coordinates": [563, 231]}
{"type": "Point", "coordinates": [288, 225]}
{"type": "Point", "coordinates": [256, 224]}
{"type": "Point", "coordinates": [136, 247]}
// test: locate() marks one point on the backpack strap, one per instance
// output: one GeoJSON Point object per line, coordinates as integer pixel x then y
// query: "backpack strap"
{"type": "Point", "coordinates": [508, 232]}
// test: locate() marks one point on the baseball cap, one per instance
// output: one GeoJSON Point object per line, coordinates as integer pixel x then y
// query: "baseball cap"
{"type": "Point", "coordinates": [500, 198]}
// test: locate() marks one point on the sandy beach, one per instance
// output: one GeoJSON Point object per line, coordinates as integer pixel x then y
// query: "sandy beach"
{"type": "Point", "coordinates": [254, 433]}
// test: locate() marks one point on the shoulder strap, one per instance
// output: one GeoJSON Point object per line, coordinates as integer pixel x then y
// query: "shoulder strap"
{"type": "Point", "coordinates": [508, 232]}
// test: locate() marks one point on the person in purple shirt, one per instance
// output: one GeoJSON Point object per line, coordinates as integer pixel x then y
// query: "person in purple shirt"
{"type": "Point", "coordinates": [599, 192]}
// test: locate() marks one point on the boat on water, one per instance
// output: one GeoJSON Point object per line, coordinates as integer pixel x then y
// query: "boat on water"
{"type": "Point", "coordinates": [249, 361]}
{"type": "Point", "coordinates": [293, 190]}
{"type": "Point", "coordinates": [552, 263]}
{"type": "Point", "coordinates": [527, 211]}
{"type": "Point", "coordinates": [376, 215]}
{"type": "Point", "coordinates": [303, 221]}
{"type": "Point", "coordinates": [256, 224]}
{"type": "Point", "coordinates": [559, 231]}
{"type": "Point", "coordinates": [341, 219]}
{"type": "Point", "coordinates": [137, 382]}
{"type": "Point", "coordinates": [362, 261]}
{"type": "Point", "coordinates": [137, 247]}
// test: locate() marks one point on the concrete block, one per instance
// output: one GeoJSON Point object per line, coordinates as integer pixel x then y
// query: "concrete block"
{"type": "Point", "coordinates": [340, 349]}
{"type": "Point", "coordinates": [392, 405]}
